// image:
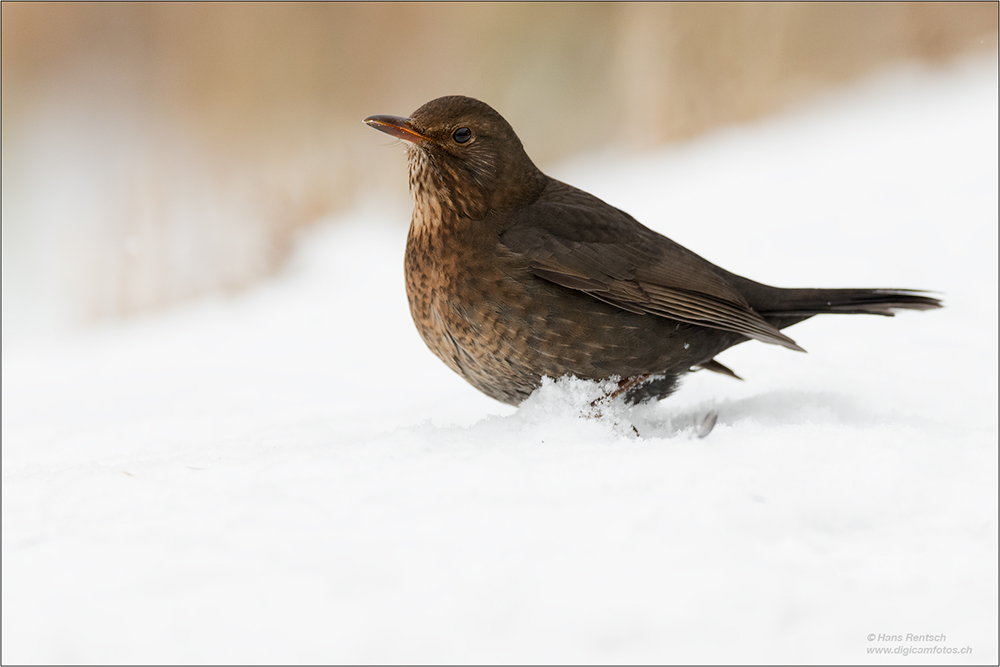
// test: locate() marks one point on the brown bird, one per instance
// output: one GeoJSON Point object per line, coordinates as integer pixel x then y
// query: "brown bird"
{"type": "Point", "coordinates": [513, 276]}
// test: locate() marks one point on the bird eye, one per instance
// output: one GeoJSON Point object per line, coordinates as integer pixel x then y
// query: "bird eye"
{"type": "Point", "coordinates": [461, 135]}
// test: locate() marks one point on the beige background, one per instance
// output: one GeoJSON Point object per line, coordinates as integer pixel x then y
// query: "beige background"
{"type": "Point", "coordinates": [154, 152]}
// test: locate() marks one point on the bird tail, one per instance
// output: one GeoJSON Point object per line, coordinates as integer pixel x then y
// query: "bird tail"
{"type": "Point", "coordinates": [808, 302]}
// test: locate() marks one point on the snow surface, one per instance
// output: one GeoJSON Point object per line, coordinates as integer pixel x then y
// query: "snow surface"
{"type": "Point", "coordinates": [288, 475]}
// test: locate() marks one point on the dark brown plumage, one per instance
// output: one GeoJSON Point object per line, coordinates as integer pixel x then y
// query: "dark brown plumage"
{"type": "Point", "coordinates": [512, 275]}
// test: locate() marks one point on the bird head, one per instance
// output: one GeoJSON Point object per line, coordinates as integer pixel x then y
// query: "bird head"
{"type": "Point", "coordinates": [464, 154]}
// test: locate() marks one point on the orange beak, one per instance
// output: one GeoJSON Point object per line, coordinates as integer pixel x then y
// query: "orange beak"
{"type": "Point", "coordinates": [397, 127]}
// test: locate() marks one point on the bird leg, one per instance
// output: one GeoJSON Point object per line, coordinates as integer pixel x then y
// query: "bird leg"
{"type": "Point", "coordinates": [624, 385]}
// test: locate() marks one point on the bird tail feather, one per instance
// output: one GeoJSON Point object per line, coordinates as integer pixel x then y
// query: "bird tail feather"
{"type": "Point", "coordinates": [807, 302]}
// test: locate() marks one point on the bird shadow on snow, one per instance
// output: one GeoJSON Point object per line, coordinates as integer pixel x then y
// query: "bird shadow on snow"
{"type": "Point", "coordinates": [579, 408]}
{"type": "Point", "coordinates": [771, 409]}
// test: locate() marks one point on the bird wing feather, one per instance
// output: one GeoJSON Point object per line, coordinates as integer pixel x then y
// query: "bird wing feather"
{"type": "Point", "coordinates": [574, 239]}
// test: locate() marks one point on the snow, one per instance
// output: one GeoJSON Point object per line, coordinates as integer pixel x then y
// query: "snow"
{"type": "Point", "coordinates": [288, 475]}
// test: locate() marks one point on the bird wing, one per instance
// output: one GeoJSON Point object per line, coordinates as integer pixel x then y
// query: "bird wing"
{"type": "Point", "coordinates": [574, 239]}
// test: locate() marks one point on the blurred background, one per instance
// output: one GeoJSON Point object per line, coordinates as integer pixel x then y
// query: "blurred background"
{"type": "Point", "coordinates": [156, 152]}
